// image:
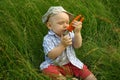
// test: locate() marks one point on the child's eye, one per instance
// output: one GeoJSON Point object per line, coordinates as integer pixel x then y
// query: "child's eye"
{"type": "Point", "coordinates": [63, 22]}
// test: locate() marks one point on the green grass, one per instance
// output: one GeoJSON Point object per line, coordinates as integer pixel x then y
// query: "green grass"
{"type": "Point", "coordinates": [22, 32]}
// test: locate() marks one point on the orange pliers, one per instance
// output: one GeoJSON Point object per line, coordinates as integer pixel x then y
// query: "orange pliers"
{"type": "Point", "coordinates": [70, 28]}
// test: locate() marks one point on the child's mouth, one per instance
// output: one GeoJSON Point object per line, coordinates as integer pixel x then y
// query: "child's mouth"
{"type": "Point", "coordinates": [65, 32]}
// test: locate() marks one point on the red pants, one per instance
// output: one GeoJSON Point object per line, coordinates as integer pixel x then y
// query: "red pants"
{"type": "Point", "coordinates": [67, 70]}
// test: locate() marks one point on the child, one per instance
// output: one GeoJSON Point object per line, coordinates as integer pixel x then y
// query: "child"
{"type": "Point", "coordinates": [60, 59]}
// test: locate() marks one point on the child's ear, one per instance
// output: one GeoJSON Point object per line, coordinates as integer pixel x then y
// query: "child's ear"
{"type": "Point", "coordinates": [48, 25]}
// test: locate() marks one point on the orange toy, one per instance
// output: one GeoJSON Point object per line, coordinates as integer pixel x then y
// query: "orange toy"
{"type": "Point", "coordinates": [70, 27]}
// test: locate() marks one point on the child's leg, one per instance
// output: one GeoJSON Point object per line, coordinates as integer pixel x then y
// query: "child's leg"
{"type": "Point", "coordinates": [84, 73]}
{"type": "Point", "coordinates": [90, 77]}
{"type": "Point", "coordinates": [87, 74]}
{"type": "Point", "coordinates": [53, 72]}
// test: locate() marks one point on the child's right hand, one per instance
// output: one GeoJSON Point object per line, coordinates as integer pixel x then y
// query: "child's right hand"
{"type": "Point", "coordinates": [66, 40]}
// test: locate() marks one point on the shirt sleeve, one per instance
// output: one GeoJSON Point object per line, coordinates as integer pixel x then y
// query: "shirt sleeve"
{"type": "Point", "coordinates": [72, 35]}
{"type": "Point", "coordinates": [48, 45]}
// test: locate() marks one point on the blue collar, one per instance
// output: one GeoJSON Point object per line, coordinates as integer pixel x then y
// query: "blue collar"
{"type": "Point", "coordinates": [52, 33]}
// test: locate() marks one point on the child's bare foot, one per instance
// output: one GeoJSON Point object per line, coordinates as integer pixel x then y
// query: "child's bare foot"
{"type": "Point", "coordinates": [61, 77]}
{"type": "Point", "coordinates": [74, 79]}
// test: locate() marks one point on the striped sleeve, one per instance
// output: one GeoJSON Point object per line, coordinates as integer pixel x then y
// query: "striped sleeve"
{"type": "Point", "coordinates": [48, 45]}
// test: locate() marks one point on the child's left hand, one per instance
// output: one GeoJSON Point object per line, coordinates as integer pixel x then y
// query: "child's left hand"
{"type": "Point", "coordinates": [77, 25]}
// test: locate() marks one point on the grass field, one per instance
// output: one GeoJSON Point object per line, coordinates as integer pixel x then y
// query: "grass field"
{"type": "Point", "coordinates": [22, 32]}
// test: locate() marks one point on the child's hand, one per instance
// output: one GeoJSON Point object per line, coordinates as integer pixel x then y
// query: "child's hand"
{"type": "Point", "coordinates": [66, 40]}
{"type": "Point", "coordinates": [77, 25]}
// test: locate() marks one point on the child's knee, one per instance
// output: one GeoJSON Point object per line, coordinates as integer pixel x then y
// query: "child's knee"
{"type": "Point", "coordinates": [90, 77]}
{"type": "Point", "coordinates": [60, 77]}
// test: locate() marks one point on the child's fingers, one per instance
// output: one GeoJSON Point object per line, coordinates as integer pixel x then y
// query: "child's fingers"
{"type": "Point", "coordinates": [77, 23]}
{"type": "Point", "coordinates": [66, 40]}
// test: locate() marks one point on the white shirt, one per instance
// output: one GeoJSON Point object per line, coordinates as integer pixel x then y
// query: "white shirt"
{"type": "Point", "coordinates": [51, 40]}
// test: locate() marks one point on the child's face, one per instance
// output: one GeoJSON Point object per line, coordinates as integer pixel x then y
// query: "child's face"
{"type": "Point", "coordinates": [58, 23]}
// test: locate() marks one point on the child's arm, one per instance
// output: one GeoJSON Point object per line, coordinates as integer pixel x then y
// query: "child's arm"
{"type": "Point", "coordinates": [77, 37]}
{"type": "Point", "coordinates": [55, 52]}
